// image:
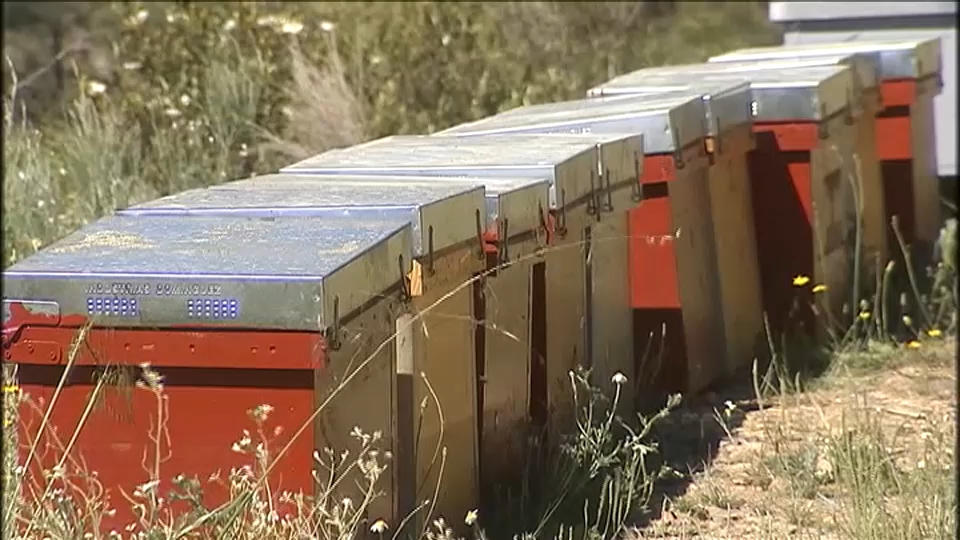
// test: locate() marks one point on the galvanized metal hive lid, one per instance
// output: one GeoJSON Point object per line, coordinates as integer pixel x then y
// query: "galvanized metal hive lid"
{"type": "Point", "coordinates": [663, 121]}
{"type": "Point", "coordinates": [492, 186]}
{"type": "Point", "coordinates": [520, 198]}
{"type": "Point", "coordinates": [794, 93]}
{"type": "Point", "coordinates": [892, 59]}
{"type": "Point", "coordinates": [864, 66]}
{"type": "Point", "coordinates": [727, 103]}
{"type": "Point", "coordinates": [276, 273]}
{"type": "Point", "coordinates": [793, 11]}
{"type": "Point", "coordinates": [317, 196]}
{"type": "Point", "coordinates": [496, 156]}
{"type": "Point", "coordinates": [440, 211]}
{"type": "Point", "coordinates": [300, 247]}
{"type": "Point", "coordinates": [524, 153]}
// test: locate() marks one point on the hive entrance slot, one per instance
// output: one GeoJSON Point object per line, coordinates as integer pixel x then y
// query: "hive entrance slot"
{"type": "Point", "coordinates": [480, 353]}
{"type": "Point", "coordinates": [588, 300]}
{"type": "Point", "coordinates": [538, 345]}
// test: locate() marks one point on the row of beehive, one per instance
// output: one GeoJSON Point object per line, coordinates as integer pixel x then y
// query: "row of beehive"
{"type": "Point", "coordinates": [641, 231]}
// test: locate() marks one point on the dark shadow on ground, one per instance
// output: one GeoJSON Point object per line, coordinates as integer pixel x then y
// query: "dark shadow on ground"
{"type": "Point", "coordinates": [689, 438]}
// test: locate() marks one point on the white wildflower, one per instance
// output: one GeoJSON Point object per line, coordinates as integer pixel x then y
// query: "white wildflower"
{"type": "Point", "coordinates": [229, 25]}
{"type": "Point", "coordinates": [379, 527]}
{"type": "Point", "coordinates": [138, 18]}
{"type": "Point", "coordinates": [327, 26]}
{"type": "Point", "coordinates": [291, 27]}
{"type": "Point", "coordinates": [619, 378]}
{"type": "Point", "coordinates": [96, 87]}
{"type": "Point", "coordinates": [268, 20]}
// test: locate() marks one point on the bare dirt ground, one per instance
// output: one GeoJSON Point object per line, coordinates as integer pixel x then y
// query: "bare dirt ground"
{"type": "Point", "coordinates": [866, 451]}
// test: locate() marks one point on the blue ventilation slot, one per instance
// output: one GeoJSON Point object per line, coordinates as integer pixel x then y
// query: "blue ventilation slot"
{"type": "Point", "coordinates": [213, 308]}
{"type": "Point", "coordinates": [112, 306]}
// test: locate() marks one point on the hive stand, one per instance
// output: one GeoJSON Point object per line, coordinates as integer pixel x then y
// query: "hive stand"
{"type": "Point", "coordinates": [234, 313]}
{"type": "Point", "coordinates": [448, 253]}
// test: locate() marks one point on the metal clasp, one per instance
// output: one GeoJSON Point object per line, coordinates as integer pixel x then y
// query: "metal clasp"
{"type": "Point", "coordinates": [677, 150]}
{"type": "Point", "coordinates": [430, 268]}
{"type": "Point", "coordinates": [635, 192]}
{"type": "Point", "coordinates": [333, 331]}
{"type": "Point", "coordinates": [503, 241]}
{"type": "Point", "coordinates": [404, 288]}
{"type": "Point", "coordinates": [480, 243]}
{"type": "Point", "coordinates": [848, 114]}
{"type": "Point", "coordinates": [543, 232]}
{"type": "Point", "coordinates": [608, 205]}
{"type": "Point", "coordinates": [717, 137]}
{"type": "Point", "coordinates": [562, 214]}
{"type": "Point", "coordinates": [822, 130]}
{"type": "Point", "coordinates": [592, 204]}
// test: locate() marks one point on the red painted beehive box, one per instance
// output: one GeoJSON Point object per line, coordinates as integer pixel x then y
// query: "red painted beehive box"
{"type": "Point", "coordinates": [233, 313]}
{"type": "Point", "coordinates": [909, 75]}
{"type": "Point", "coordinates": [803, 204]}
{"type": "Point", "coordinates": [507, 330]}
{"type": "Point", "coordinates": [672, 278]}
{"type": "Point", "coordinates": [729, 140]}
{"type": "Point", "coordinates": [584, 203]}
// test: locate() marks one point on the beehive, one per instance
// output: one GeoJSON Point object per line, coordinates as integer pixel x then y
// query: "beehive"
{"type": "Point", "coordinates": [801, 193]}
{"type": "Point", "coordinates": [570, 167]}
{"type": "Point", "coordinates": [689, 360]}
{"type": "Point", "coordinates": [234, 313]}
{"type": "Point", "coordinates": [909, 73]}
{"type": "Point", "coordinates": [729, 141]}
{"type": "Point", "coordinates": [447, 253]}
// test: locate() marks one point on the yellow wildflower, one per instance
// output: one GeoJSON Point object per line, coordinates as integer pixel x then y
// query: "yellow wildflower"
{"type": "Point", "coordinates": [471, 518]}
{"type": "Point", "coordinates": [819, 288]}
{"type": "Point", "coordinates": [864, 315]}
{"type": "Point", "coordinates": [934, 332]}
{"type": "Point", "coordinates": [11, 389]}
{"type": "Point", "coordinates": [800, 280]}
{"type": "Point", "coordinates": [913, 345]}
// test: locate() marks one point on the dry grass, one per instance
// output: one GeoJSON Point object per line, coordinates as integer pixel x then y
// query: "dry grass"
{"type": "Point", "coordinates": [867, 454]}
{"type": "Point", "coordinates": [323, 113]}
